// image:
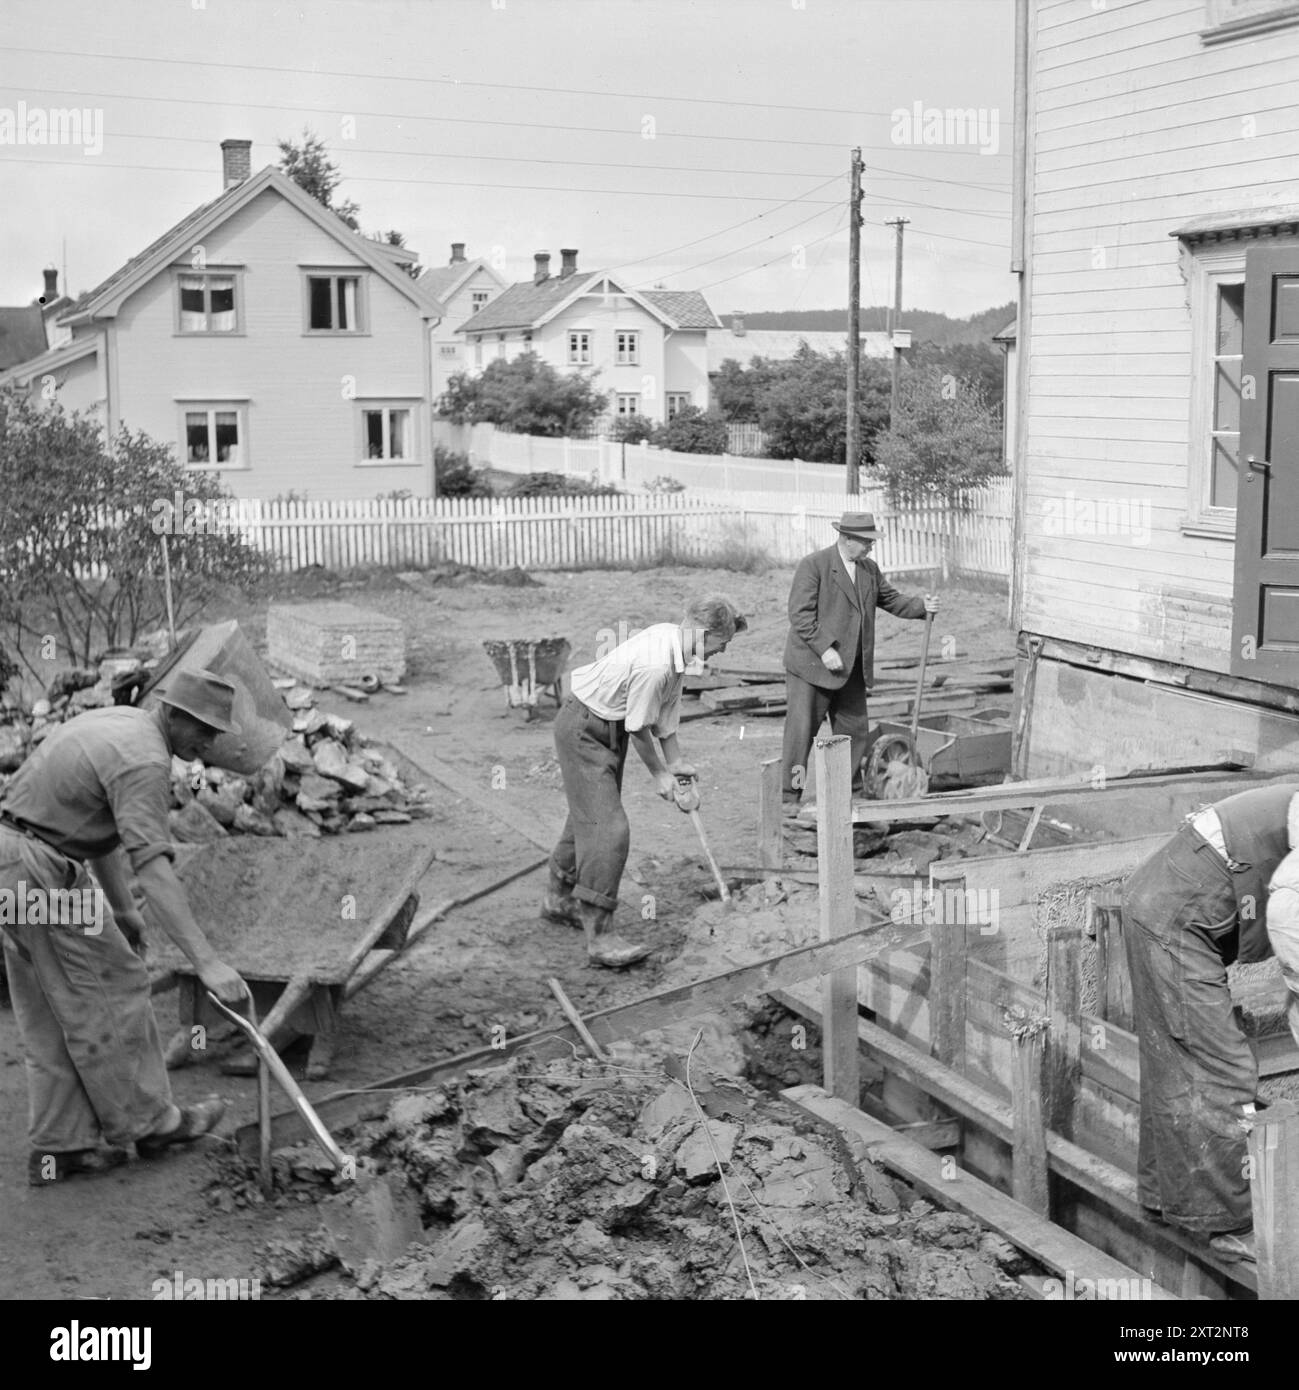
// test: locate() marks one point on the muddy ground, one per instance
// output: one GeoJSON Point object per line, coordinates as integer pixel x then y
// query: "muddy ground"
{"type": "Point", "coordinates": [486, 966]}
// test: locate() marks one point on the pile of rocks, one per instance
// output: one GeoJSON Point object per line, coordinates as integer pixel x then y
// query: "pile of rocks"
{"type": "Point", "coordinates": [324, 780]}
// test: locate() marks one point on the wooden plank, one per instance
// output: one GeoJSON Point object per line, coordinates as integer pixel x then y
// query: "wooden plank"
{"type": "Point", "coordinates": [1029, 1173]}
{"type": "Point", "coordinates": [1274, 1189]}
{"type": "Point", "coordinates": [771, 843]}
{"type": "Point", "coordinates": [625, 1020]}
{"type": "Point", "coordinates": [1113, 982]}
{"type": "Point", "coordinates": [1039, 792]}
{"type": "Point", "coordinates": [742, 697]}
{"type": "Point", "coordinates": [1048, 1244]}
{"type": "Point", "coordinates": [838, 915]}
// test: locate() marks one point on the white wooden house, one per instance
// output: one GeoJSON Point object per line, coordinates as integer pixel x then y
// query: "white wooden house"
{"type": "Point", "coordinates": [463, 286]}
{"type": "Point", "coordinates": [263, 339]}
{"type": "Point", "coordinates": [649, 347]}
{"type": "Point", "coordinates": [1156, 438]}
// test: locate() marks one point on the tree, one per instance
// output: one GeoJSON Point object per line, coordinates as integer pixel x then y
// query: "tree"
{"type": "Point", "coordinates": [947, 437]}
{"type": "Point", "coordinates": [310, 167]}
{"type": "Point", "coordinates": [738, 392]}
{"type": "Point", "coordinates": [631, 429]}
{"type": "Point", "coordinates": [526, 396]}
{"type": "Point", "coordinates": [82, 530]}
{"type": "Point", "coordinates": [691, 431]}
{"type": "Point", "coordinates": [975, 364]}
{"type": "Point", "coordinates": [804, 408]}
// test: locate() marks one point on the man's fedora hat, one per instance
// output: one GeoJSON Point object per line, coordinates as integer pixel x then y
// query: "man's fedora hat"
{"type": "Point", "coordinates": [857, 526]}
{"type": "Point", "coordinates": [206, 697]}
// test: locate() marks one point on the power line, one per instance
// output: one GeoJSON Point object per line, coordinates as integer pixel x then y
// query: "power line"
{"type": "Point", "coordinates": [435, 81]}
{"type": "Point", "coordinates": [468, 120]}
{"type": "Point", "coordinates": [713, 283]}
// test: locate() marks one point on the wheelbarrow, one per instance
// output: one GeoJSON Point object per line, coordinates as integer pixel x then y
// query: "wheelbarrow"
{"type": "Point", "coordinates": [528, 667]}
{"type": "Point", "coordinates": [298, 919]}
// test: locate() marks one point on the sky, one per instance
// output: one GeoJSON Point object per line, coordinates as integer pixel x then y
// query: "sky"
{"type": "Point", "coordinates": [694, 144]}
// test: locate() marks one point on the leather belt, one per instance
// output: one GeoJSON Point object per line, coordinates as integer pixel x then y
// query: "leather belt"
{"type": "Point", "coordinates": [22, 828]}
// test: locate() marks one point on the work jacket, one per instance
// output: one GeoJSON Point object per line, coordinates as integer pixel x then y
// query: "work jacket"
{"type": "Point", "coordinates": [827, 610]}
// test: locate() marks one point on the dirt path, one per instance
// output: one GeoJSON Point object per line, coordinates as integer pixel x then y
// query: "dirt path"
{"type": "Point", "coordinates": [487, 964]}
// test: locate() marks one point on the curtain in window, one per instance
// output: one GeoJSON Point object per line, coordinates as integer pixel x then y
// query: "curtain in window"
{"type": "Point", "coordinates": [347, 304]}
{"type": "Point", "coordinates": [196, 440]}
{"type": "Point", "coordinates": [227, 436]}
{"type": "Point", "coordinates": [397, 427]}
{"type": "Point", "coordinates": [193, 319]}
{"type": "Point", "coordinates": [221, 292]}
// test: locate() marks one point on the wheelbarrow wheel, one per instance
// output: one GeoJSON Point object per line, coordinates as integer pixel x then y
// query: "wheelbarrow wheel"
{"type": "Point", "coordinates": [894, 771]}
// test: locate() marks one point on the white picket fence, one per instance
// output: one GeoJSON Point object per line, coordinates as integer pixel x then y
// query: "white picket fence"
{"type": "Point", "coordinates": [639, 529]}
{"type": "Point", "coordinates": [632, 465]}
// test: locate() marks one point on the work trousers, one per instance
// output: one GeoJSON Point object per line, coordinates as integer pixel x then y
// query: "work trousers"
{"type": "Point", "coordinates": [84, 1012]}
{"type": "Point", "coordinates": [806, 707]}
{"type": "Point", "coordinates": [592, 849]}
{"type": "Point", "coordinates": [1197, 1069]}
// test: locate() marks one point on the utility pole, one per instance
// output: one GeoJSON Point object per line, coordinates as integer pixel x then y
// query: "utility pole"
{"type": "Point", "coordinates": [896, 323]}
{"type": "Point", "coordinates": [852, 446]}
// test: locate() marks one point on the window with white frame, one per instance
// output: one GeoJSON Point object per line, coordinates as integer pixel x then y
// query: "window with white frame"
{"type": "Point", "coordinates": [1218, 324]}
{"type": "Point", "coordinates": [579, 347]}
{"type": "Point", "coordinates": [213, 435]}
{"type": "Point", "coordinates": [334, 303]}
{"type": "Point", "coordinates": [207, 302]}
{"type": "Point", "coordinates": [386, 434]}
{"type": "Point", "coordinates": [500, 346]}
{"type": "Point", "coordinates": [627, 348]}
{"type": "Point", "coordinates": [478, 298]}
{"type": "Point", "coordinates": [449, 350]}
{"type": "Point", "coordinates": [677, 402]}
{"type": "Point", "coordinates": [628, 403]}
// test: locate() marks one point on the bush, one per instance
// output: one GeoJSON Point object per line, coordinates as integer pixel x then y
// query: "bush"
{"type": "Point", "coordinates": [631, 429]}
{"type": "Point", "coordinates": [691, 431]}
{"type": "Point", "coordinates": [559, 485]}
{"type": "Point", "coordinates": [524, 395]}
{"type": "Point", "coordinates": [663, 483]}
{"type": "Point", "coordinates": [83, 529]}
{"type": "Point", "coordinates": [457, 477]}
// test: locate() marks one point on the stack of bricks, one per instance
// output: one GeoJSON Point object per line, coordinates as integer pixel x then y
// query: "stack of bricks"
{"type": "Point", "coordinates": [335, 643]}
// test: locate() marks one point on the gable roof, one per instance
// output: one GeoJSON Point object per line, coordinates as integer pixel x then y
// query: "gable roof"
{"type": "Point", "coordinates": [686, 308]}
{"type": "Point", "coordinates": [781, 344]}
{"type": "Point", "coordinates": [529, 305]}
{"type": "Point", "coordinates": [53, 359]}
{"type": "Point", "coordinates": [1007, 334]}
{"type": "Point", "coordinates": [22, 334]}
{"type": "Point", "coordinates": [107, 297]}
{"type": "Point", "coordinates": [444, 280]}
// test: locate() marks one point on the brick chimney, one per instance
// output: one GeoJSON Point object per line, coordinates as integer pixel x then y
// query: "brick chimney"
{"type": "Point", "coordinates": [737, 323]}
{"type": "Point", "coordinates": [51, 285]}
{"type": "Point", "coordinates": [236, 162]}
{"type": "Point", "coordinates": [568, 262]}
{"type": "Point", "coordinates": [542, 272]}
{"type": "Point", "coordinates": [457, 252]}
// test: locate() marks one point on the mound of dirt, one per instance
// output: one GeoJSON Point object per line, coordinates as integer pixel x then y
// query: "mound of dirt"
{"type": "Point", "coordinates": [584, 1180]}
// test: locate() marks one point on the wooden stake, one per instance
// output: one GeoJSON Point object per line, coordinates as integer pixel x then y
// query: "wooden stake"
{"type": "Point", "coordinates": [1274, 1187]}
{"type": "Point", "coordinates": [1063, 1073]}
{"type": "Point", "coordinates": [838, 914]}
{"type": "Point", "coordinates": [1113, 983]}
{"type": "Point", "coordinates": [166, 584]}
{"type": "Point", "coordinates": [947, 981]}
{"type": "Point", "coordinates": [770, 844]}
{"type": "Point", "coordinates": [1029, 1180]}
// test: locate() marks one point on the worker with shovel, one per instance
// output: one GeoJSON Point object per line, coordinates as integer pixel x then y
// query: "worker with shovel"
{"type": "Point", "coordinates": [97, 793]}
{"type": "Point", "coordinates": [830, 650]}
{"type": "Point", "coordinates": [630, 696]}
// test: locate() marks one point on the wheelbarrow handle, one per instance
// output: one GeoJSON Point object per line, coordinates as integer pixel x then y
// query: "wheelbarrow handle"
{"type": "Point", "coordinates": [920, 682]}
{"type": "Point", "coordinates": [285, 1077]}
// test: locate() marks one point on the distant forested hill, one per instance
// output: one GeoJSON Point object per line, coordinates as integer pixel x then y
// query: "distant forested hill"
{"type": "Point", "coordinates": [926, 325]}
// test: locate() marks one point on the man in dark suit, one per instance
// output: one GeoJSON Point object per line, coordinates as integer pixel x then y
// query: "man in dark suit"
{"type": "Point", "coordinates": [830, 651]}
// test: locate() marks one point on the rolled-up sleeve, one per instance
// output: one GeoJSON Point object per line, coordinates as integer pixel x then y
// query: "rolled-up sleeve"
{"type": "Point", "coordinates": [140, 798]}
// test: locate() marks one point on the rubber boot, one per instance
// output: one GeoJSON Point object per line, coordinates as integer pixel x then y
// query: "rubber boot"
{"type": "Point", "coordinates": [604, 947]}
{"type": "Point", "coordinates": [558, 903]}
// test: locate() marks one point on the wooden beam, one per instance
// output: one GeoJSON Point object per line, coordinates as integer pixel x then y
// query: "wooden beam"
{"type": "Point", "coordinates": [1113, 982]}
{"type": "Point", "coordinates": [1040, 792]}
{"type": "Point", "coordinates": [1030, 1171]}
{"type": "Point", "coordinates": [771, 845]}
{"type": "Point", "coordinates": [833, 769]}
{"type": "Point", "coordinates": [1274, 1188]}
{"type": "Point", "coordinates": [1051, 1246]}
{"type": "Point", "coordinates": [614, 1024]}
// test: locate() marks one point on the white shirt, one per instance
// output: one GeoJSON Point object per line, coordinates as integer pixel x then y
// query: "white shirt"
{"type": "Point", "coordinates": [850, 566]}
{"type": "Point", "coordinates": [639, 681]}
